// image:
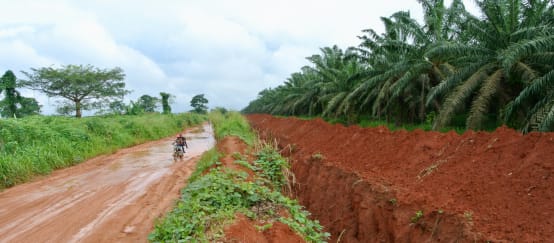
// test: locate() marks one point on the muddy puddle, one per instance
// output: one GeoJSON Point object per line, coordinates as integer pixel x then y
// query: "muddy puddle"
{"type": "Point", "coordinates": [109, 198]}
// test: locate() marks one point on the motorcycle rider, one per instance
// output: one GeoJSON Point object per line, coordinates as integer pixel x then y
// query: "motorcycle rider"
{"type": "Point", "coordinates": [181, 142]}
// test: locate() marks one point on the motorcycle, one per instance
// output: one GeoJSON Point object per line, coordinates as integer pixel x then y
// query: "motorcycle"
{"type": "Point", "coordinates": [178, 153]}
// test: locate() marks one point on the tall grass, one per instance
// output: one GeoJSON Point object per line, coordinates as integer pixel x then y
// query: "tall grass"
{"type": "Point", "coordinates": [37, 145]}
{"type": "Point", "coordinates": [232, 124]}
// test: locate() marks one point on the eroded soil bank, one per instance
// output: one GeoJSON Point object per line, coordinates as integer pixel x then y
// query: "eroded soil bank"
{"type": "Point", "coordinates": [243, 229]}
{"type": "Point", "coordinates": [374, 185]}
{"type": "Point", "coordinates": [111, 198]}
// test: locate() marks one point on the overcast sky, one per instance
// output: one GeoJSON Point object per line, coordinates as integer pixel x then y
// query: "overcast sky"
{"type": "Point", "coordinates": [227, 50]}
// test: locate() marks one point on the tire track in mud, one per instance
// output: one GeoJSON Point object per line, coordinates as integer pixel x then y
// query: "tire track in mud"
{"type": "Point", "coordinates": [110, 198]}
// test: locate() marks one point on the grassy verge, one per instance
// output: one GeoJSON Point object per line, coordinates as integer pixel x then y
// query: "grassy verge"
{"type": "Point", "coordinates": [215, 194]}
{"type": "Point", "coordinates": [37, 145]}
{"type": "Point", "coordinates": [232, 124]}
{"type": "Point", "coordinates": [363, 122]}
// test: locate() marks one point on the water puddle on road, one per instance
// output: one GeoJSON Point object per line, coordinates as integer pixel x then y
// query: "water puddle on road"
{"type": "Point", "coordinates": [71, 203]}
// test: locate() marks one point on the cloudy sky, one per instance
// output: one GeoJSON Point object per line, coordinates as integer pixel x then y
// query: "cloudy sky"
{"type": "Point", "coordinates": [227, 50]}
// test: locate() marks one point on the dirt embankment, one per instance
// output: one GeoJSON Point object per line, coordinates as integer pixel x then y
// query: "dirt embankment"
{"type": "Point", "coordinates": [373, 185]}
{"type": "Point", "coordinates": [243, 229]}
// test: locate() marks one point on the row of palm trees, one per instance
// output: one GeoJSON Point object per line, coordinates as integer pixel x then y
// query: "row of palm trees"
{"type": "Point", "coordinates": [483, 71]}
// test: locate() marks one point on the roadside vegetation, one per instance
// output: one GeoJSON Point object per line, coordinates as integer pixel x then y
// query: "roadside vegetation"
{"type": "Point", "coordinates": [215, 193]}
{"type": "Point", "coordinates": [37, 145]}
{"type": "Point", "coordinates": [453, 70]}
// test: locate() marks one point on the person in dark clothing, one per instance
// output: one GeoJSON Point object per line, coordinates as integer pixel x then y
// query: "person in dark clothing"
{"type": "Point", "coordinates": [181, 142]}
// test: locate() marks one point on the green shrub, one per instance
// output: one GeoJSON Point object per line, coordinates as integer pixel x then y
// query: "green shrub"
{"type": "Point", "coordinates": [232, 124]}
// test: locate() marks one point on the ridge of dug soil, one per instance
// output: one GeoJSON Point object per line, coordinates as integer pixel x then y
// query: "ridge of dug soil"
{"type": "Point", "coordinates": [371, 184]}
{"type": "Point", "coordinates": [243, 229]}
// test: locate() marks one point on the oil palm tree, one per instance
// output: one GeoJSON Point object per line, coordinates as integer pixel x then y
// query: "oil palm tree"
{"type": "Point", "coordinates": [496, 63]}
{"type": "Point", "coordinates": [338, 72]}
{"type": "Point", "coordinates": [402, 74]}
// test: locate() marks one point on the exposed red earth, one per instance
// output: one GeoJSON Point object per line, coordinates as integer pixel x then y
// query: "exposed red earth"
{"type": "Point", "coordinates": [369, 184]}
{"type": "Point", "coordinates": [111, 198]}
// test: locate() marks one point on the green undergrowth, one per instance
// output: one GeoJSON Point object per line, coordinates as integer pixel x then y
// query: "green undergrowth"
{"type": "Point", "coordinates": [366, 122]}
{"type": "Point", "coordinates": [232, 124]}
{"type": "Point", "coordinates": [38, 145]}
{"type": "Point", "coordinates": [215, 194]}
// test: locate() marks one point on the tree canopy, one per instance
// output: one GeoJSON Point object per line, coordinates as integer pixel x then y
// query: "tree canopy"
{"type": "Point", "coordinates": [198, 102]}
{"type": "Point", "coordinates": [82, 87]}
{"type": "Point", "coordinates": [148, 103]}
{"type": "Point", "coordinates": [165, 102]}
{"type": "Point", "coordinates": [13, 104]}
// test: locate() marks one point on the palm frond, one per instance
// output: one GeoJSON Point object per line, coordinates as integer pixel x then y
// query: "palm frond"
{"type": "Point", "coordinates": [334, 103]}
{"type": "Point", "coordinates": [449, 50]}
{"type": "Point", "coordinates": [541, 84]}
{"type": "Point", "coordinates": [547, 123]}
{"type": "Point", "coordinates": [480, 105]}
{"type": "Point", "coordinates": [382, 96]}
{"type": "Point", "coordinates": [457, 98]}
{"type": "Point", "coordinates": [527, 73]}
{"type": "Point", "coordinates": [517, 51]}
{"type": "Point", "coordinates": [414, 72]}
{"type": "Point", "coordinates": [473, 71]}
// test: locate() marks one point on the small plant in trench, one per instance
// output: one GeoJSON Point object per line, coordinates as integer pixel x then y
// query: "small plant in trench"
{"type": "Point", "coordinates": [237, 156]}
{"type": "Point", "coordinates": [271, 165]}
{"type": "Point", "coordinates": [246, 164]}
{"type": "Point", "coordinates": [468, 215]}
{"type": "Point", "coordinates": [418, 215]}
{"type": "Point", "coordinates": [318, 156]}
{"type": "Point", "coordinates": [264, 227]}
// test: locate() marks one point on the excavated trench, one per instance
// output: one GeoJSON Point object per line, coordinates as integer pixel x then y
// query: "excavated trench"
{"type": "Point", "coordinates": [374, 185]}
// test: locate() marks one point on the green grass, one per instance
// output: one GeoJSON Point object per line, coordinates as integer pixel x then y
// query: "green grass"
{"type": "Point", "coordinates": [214, 195]}
{"type": "Point", "coordinates": [427, 126]}
{"type": "Point", "coordinates": [272, 165]}
{"type": "Point", "coordinates": [38, 145]}
{"type": "Point", "coordinates": [208, 159]}
{"type": "Point", "coordinates": [232, 124]}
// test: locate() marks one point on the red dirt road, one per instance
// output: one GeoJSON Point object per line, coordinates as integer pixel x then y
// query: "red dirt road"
{"type": "Point", "coordinates": [111, 198]}
{"type": "Point", "coordinates": [477, 186]}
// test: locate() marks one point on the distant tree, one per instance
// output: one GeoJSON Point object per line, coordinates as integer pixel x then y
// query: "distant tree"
{"type": "Point", "coordinates": [86, 87]}
{"type": "Point", "coordinates": [117, 107]}
{"type": "Point", "coordinates": [8, 85]}
{"type": "Point", "coordinates": [198, 102]}
{"type": "Point", "coordinates": [13, 104]}
{"type": "Point", "coordinates": [148, 103]}
{"type": "Point", "coordinates": [27, 107]}
{"type": "Point", "coordinates": [221, 110]}
{"type": "Point", "coordinates": [165, 102]}
{"type": "Point", "coordinates": [134, 109]}
{"type": "Point", "coordinates": [65, 108]}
